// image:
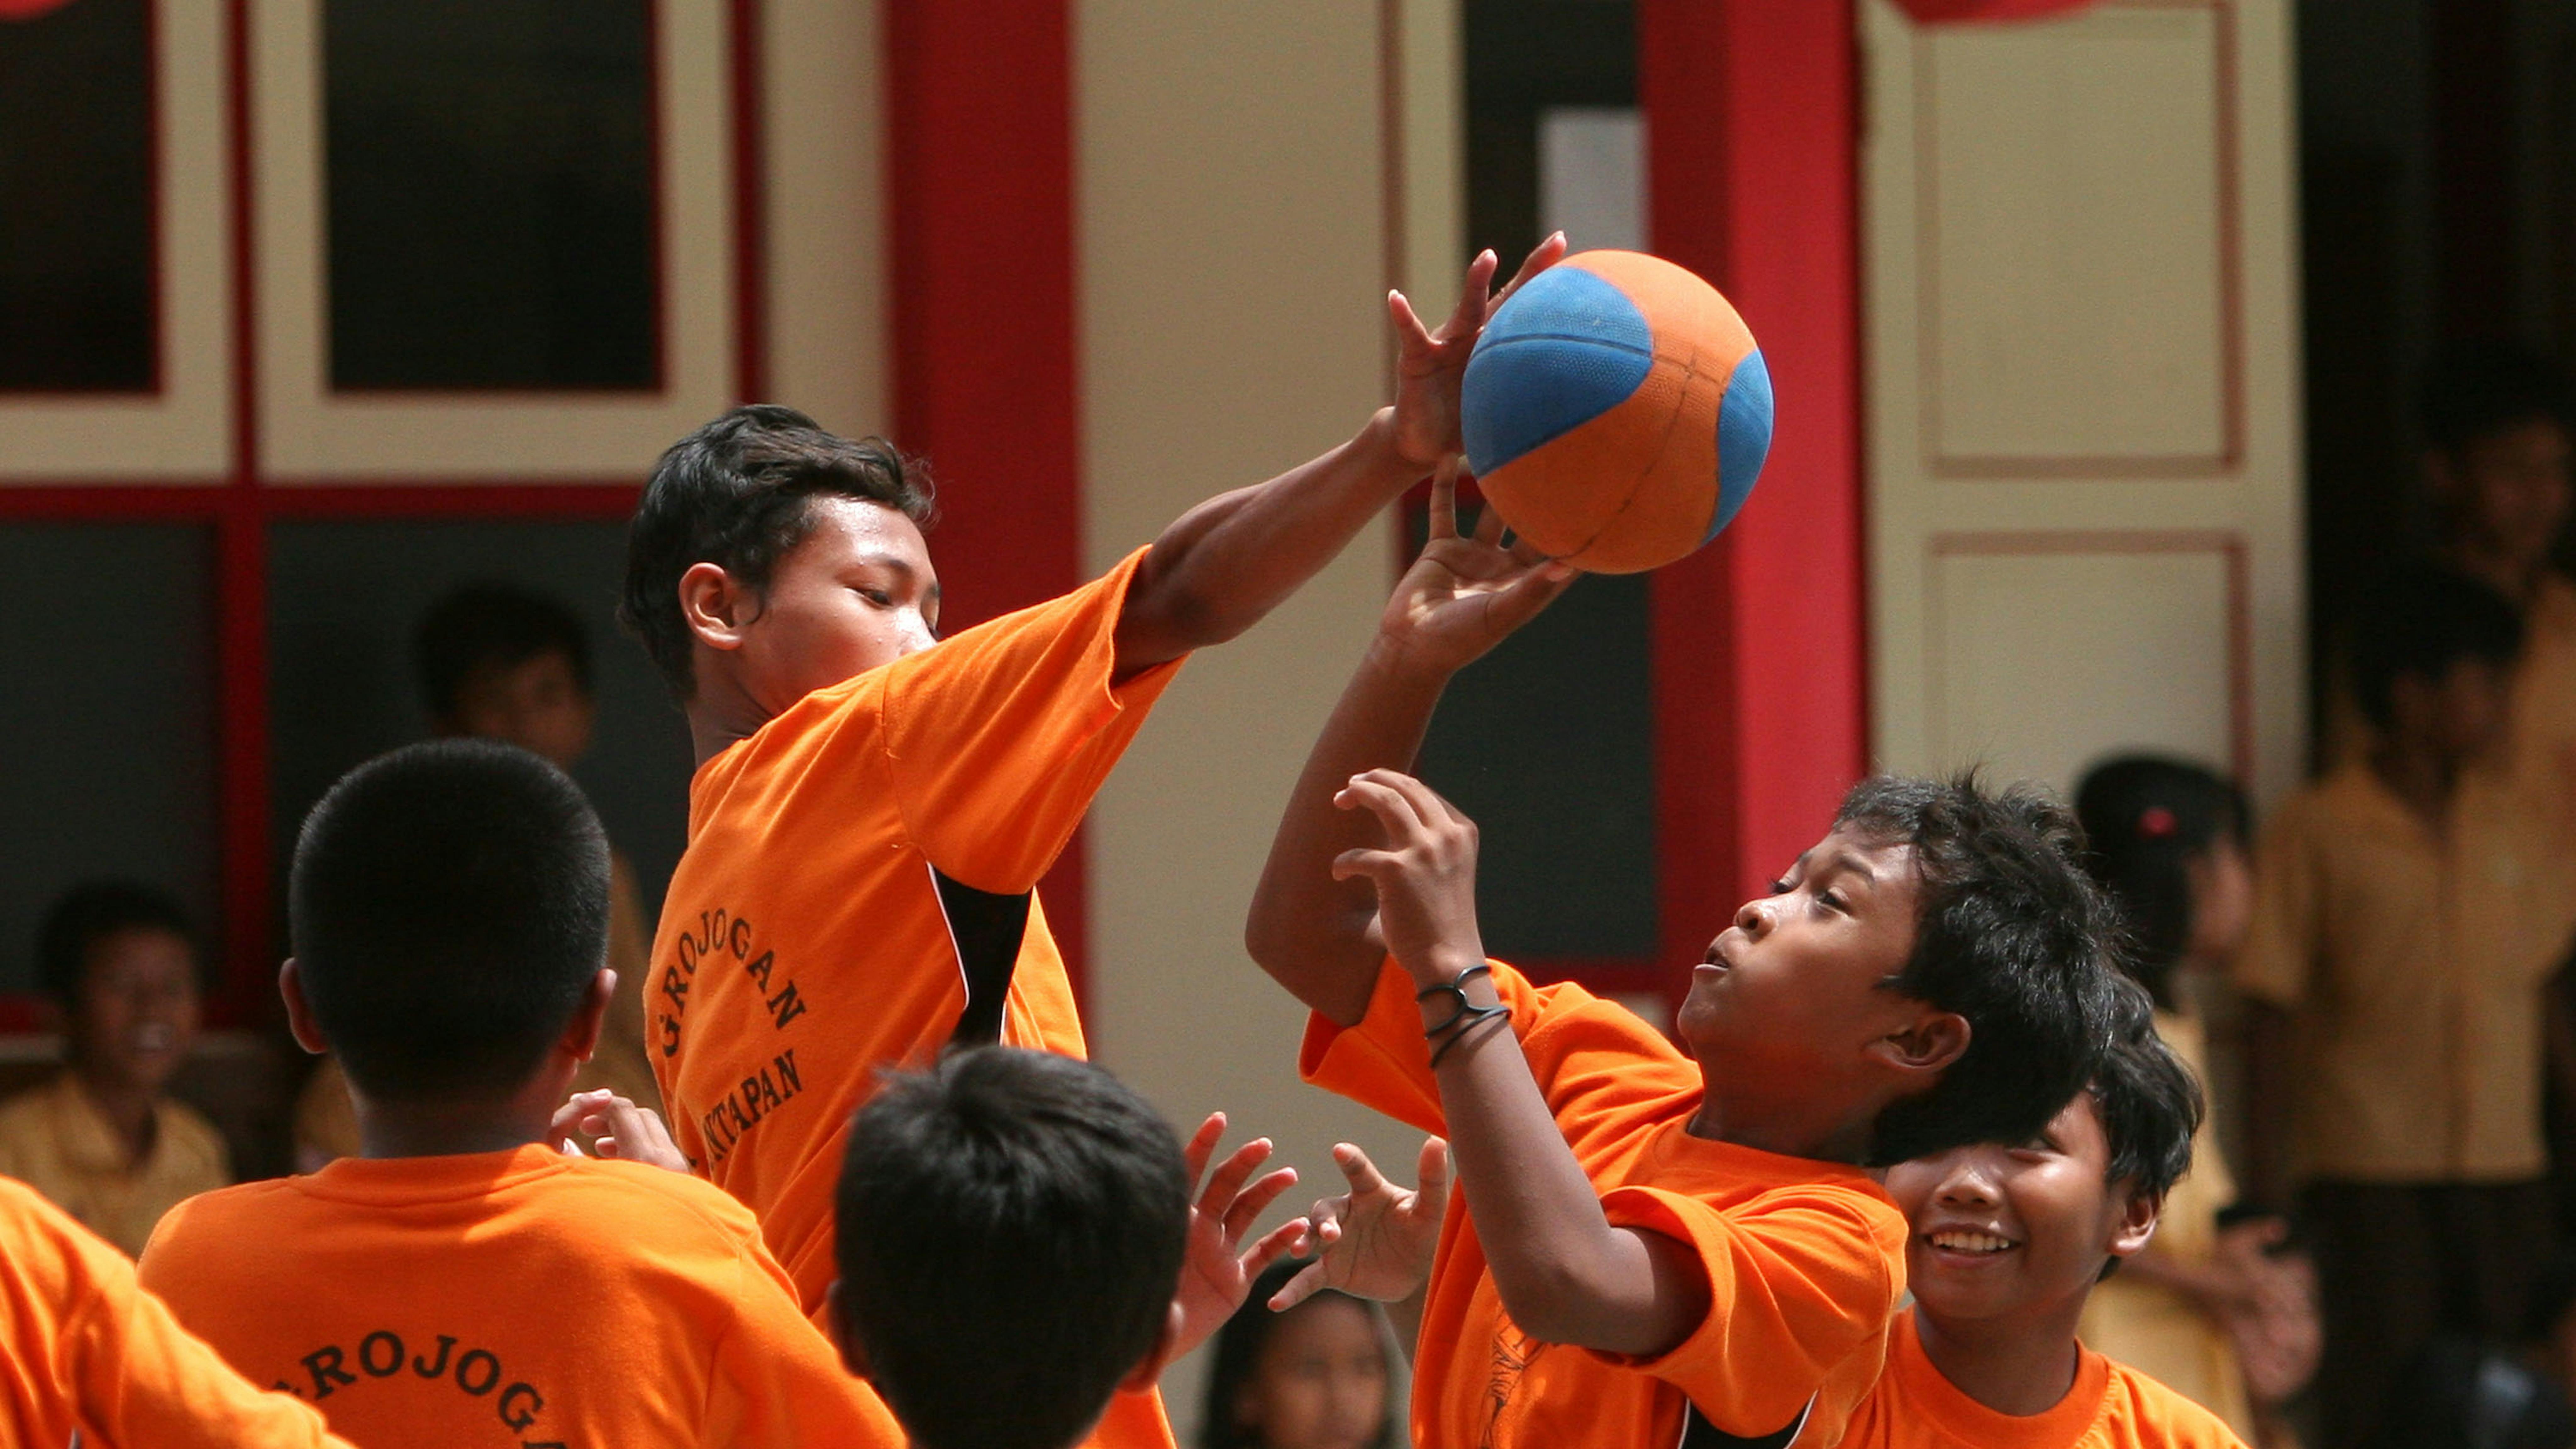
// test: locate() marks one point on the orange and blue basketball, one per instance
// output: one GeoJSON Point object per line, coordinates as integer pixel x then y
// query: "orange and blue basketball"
{"type": "Point", "coordinates": [1616, 411]}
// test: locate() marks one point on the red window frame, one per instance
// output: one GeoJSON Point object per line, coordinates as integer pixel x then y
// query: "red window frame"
{"type": "Point", "coordinates": [240, 507]}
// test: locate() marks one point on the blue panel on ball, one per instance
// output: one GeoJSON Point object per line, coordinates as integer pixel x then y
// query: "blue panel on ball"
{"type": "Point", "coordinates": [1743, 437]}
{"type": "Point", "coordinates": [1565, 349]}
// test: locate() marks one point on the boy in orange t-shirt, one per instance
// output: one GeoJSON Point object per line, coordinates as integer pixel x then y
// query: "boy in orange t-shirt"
{"type": "Point", "coordinates": [2008, 1240]}
{"type": "Point", "coordinates": [1642, 1247]}
{"type": "Point", "coordinates": [873, 806]}
{"type": "Point", "coordinates": [466, 1281]}
{"type": "Point", "coordinates": [1013, 1227]}
{"type": "Point", "coordinates": [85, 1351]}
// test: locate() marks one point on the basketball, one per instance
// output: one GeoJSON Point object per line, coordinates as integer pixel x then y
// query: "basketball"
{"type": "Point", "coordinates": [1616, 411]}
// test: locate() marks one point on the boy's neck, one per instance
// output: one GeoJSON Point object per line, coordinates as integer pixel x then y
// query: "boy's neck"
{"type": "Point", "coordinates": [2418, 776]}
{"type": "Point", "coordinates": [130, 1108]}
{"type": "Point", "coordinates": [2023, 1364]}
{"type": "Point", "coordinates": [2517, 579]}
{"type": "Point", "coordinates": [452, 1129]}
{"type": "Point", "coordinates": [1790, 1124]}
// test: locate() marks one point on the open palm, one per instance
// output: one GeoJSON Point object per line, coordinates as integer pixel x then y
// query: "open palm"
{"type": "Point", "coordinates": [1467, 592]}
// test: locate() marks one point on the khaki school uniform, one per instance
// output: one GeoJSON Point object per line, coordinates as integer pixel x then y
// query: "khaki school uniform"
{"type": "Point", "coordinates": [57, 1141]}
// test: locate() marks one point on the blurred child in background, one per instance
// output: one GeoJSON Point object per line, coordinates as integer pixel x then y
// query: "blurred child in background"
{"type": "Point", "coordinates": [497, 662]}
{"type": "Point", "coordinates": [1319, 1375]}
{"type": "Point", "coordinates": [2409, 908]}
{"type": "Point", "coordinates": [118, 963]}
{"type": "Point", "coordinates": [2205, 1309]}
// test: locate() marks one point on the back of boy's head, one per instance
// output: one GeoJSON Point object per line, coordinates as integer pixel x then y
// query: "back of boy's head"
{"type": "Point", "coordinates": [484, 625]}
{"type": "Point", "coordinates": [449, 909]}
{"type": "Point", "coordinates": [2420, 622]}
{"type": "Point", "coordinates": [1011, 1225]}
{"type": "Point", "coordinates": [2148, 1101]}
{"type": "Point", "coordinates": [2012, 935]}
{"type": "Point", "coordinates": [2475, 390]}
{"type": "Point", "coordinates": [91, 912]}
{"type": "Point", "coordinates": [738, 493]}
{"type": "Point", "coordinates": [2145, 819]}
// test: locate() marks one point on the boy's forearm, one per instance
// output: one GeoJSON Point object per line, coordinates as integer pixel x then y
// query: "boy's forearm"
{"type": "Point", "coordinates": [1564, 1273]}
{"type": "Point", "coordinates": [1217, 569]}
{"type": "Point", "coordinates": [1313, 933]}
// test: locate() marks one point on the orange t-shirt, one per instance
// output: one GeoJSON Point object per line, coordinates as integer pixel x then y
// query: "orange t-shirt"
{"type": "Point", "coordinates": [2112, 1406]}
{"type": "Point", "coordinates": [513, 1298]}
{"type": "Point", "coordinates": [1805, 1260]}
{"type": "Point", "coordinates": [85, 1351]}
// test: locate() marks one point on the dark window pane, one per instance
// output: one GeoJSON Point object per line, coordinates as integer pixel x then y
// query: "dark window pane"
{"type": "Point", "coordinates": [76, 255]}
{"type": "Point", "coordinates": [491, 194]}
{"type": "Point", "coordinates": [344, 602]}
{"type": "Point", "coordinates": [108, 731]}
{"type": "Point", "coordinates": [1548, 745]}
{"type": "Point", "coordinates": [1524, 56]}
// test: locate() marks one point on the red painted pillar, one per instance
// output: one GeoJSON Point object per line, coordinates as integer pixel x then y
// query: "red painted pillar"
{"type": "Point", "coordinates": [979, 150]}
{"type": "Point", "coordinates": [1761, 661]}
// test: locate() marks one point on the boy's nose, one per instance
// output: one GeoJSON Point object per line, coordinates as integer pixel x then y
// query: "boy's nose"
{"type": "Point", "coordinates": [1754, 916]}
{"type": "Point", "coordinates": [1968, 1184]}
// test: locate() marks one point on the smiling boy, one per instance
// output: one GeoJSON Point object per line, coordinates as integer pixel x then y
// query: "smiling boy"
{"type": "Point", "coordinates": [1642, 1246]}
{"type": "Point", "coordinates": [2007, 1242]}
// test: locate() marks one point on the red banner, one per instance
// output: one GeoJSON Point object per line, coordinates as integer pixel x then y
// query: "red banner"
{"type": "Point", "coordinates": [1935, 12]}
{"type": "Point", "coordinates": [29, 9]}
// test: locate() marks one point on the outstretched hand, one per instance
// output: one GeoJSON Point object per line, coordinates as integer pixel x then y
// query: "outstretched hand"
{"type": "Point", "coordinates": [1467, 592]}
{"type": "Point", "coordinates": [1377, 1239]}
{"type": "Point", "coordinates": [617, 1128]}
{"type": "Point", "coordinates": [1425, 874]}
{"type": "Point", "coordinates": [1217, 1271]}
{"type": "Point", "coordinates": [1429, 364]}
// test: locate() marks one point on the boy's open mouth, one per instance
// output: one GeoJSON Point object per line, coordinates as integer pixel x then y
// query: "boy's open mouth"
{"type": "Point", "coordinates": [1961, 1240]}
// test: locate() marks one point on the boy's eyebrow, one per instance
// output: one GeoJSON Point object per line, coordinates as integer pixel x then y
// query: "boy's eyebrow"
{"type": "Point", "coordinates": [1852, 862]}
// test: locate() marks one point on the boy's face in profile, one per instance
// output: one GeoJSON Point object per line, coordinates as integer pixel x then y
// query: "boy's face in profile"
{"type": "Point", "coordinates": [2006, 1232]}
{"type": "Point", "coordinates": [537, 704]}
{"type": "Point", "coordinates": [1797, 983]}
{"type": "Point", "coordinates": [137, 1011]}
{"type": "Point", "coordinates": [858, 592]}
{"type": "Point", "coordinates": [2511, 488]}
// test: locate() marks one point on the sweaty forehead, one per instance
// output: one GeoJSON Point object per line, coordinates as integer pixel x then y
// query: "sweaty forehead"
{"type": "Point", "coordinates": [1888, 860]}
{"type": "Point", "coordinates": [842, 529]}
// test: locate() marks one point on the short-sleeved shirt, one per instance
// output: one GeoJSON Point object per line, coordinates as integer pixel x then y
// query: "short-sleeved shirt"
{"type": "Point", "coordinates": [2154, 1328]}
{"type": "Point", "coordinates": [86, 1356]}
{"type": "Point", "coordinates": [2413, 958]}
{"type": "Point", "coordinates": [57, 1141]}
{"type": "Point", "coordinates": [1804, 1260]}
{"type": "Point", "coordinates": [508, 1299]}
{"type": "Point", "coordinates": [2111, 1406]}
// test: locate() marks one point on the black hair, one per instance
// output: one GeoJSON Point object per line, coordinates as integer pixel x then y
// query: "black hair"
{"type": "Point", "coordinates": [2475, 390]}
{"type": "Point", "coordinates": [91, 912]}
{"type": "Point", "coordinates": [1011, 1225]}
{"type": "Point", "coordinates": [738, 493]}
{"type": "Point", "coordinates": [2145, 819]}
{"type": "Point", "coordinates": [482, 625]}
{"type": "Point", "coordinates": [2012, 935]}
{"type": "Point", "coordinates": [2148, 1100]}
{"type": "Point", "coordinates": [2422, 621]}
{"type": "Point", "coordinates": [1236, 1358]}
{"type": "Point", "coordinates": [448, 908]}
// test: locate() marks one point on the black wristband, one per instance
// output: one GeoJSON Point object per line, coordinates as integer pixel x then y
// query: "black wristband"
{"type": "Point", "coordinates": [1464, 1025]}
{"type": "Point", "coordinates": [1456, 989]}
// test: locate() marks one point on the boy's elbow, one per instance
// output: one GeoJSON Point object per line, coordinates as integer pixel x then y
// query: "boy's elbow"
{"type": "Point", "coordinates": [1550, 1299]}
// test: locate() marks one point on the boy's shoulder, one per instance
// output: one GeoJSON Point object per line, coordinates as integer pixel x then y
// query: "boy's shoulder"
{"type": "Point", "coordinates": [2140, 1413]}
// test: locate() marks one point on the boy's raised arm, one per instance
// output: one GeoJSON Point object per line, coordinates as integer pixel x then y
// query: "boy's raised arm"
{"type": "Point", "coordinates": [1316, 934]}
{"type": "Point", "coordinates": [1565, 1273]}
{"type": "Point", "coordinates": [1217, 569]}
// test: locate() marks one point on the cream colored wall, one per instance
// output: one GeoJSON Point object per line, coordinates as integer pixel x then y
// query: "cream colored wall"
{"type": "Point", "coordinates": [1233, 257]}
{"type": "Point", "coordinates": [822, 123]}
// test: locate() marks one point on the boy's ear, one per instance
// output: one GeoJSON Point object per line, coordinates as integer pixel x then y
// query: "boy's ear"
{"type": "Point", "coordinates": [299, 1012]}
{"type": "Point", "coordinates": [853, 1356]}
{"type": "Point", "coordinates": [2137, 1224]}
{"type": "Point", "coordinates": [1150, 1368]}
{"type": "Point", "coordinates": [581, 1034]}
{"type": "Point", "coordinates": [716, 606]}
{"type": "Point", "coordinates": [1927, 1045]}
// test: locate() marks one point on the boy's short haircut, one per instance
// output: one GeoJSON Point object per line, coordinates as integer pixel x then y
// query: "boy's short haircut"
{"type": "Point", "coordinates": [482, 625]}
{"type": "Point", "coordinates": [2478, 389]}
{"type": "Point", "coordinates": [2148, 1101]}
{"type": "Point", "coordinates": [91, 912]}
{"type": "Point", "coordinates": [2422, 621]}
{"type": "Point", "coordinates": [448, 908]}
{"type": "Point", "coordinates": [1011, 1227]}
{"type": "Point", "coordinates": [2010, 934]}
{"type": "Point", "coordinates": [736, 493]}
